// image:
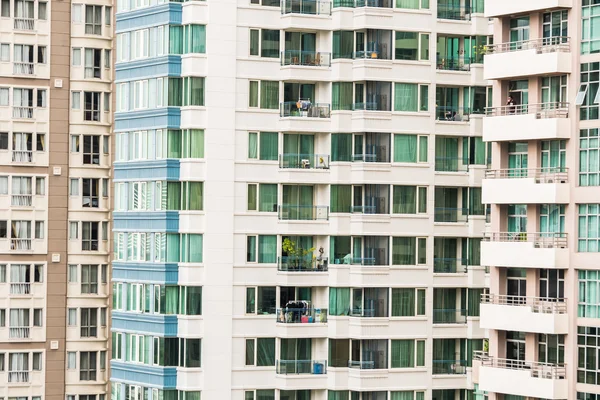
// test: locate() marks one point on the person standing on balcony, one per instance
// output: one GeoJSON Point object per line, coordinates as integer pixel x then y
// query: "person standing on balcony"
{"type": "Point", "coordinates": [511, 105]}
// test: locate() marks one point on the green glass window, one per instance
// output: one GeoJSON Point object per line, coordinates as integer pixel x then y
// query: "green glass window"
{"type": "Point", "coordinates": [250, 351]}
{"type": "Point", "coordinates": [590, 27]}
{"type": "Point", "coordinates": [588, 362]}
{"type": "Point", "coordinates": [588, 305]}
{"type": "Point", "coordinates": [269, 146]}
{"type": "Point", "coordinates": [588, 232]}
{"type": "Point", "coordinates": [404, 200]}
{"type": "Point", "coordinates": [405, 148]}
{"type": "Point", "coordinates": [252, 193]}
{"type": "Point", "coordinates": [412, 4]}
{"type": "Point", "coordinates": [253, 94]}
{"type": "Point", "coordinates": [190, 300]}
{"type": "Point", "coordinates": [265, 352]}
{"type": "Point", "coordinates": [343, 44]}
{"type": "Point", "coordinates": [339, 301]}
{"type": "Point", "coordinates": [175, 39]}
{"type": "Point", "coordinates": [406, 97]}
{"type": "Point", "coordinates": [254, 42]}
{"type": "Point", "coordinates": [589, 160]}
{"type": "Point", "coordinates": [253, 145]}
{"type": "Point", "coordinates": [193, 91]}
{"type": "Point", "coordinates": [269, 43]}
{"type": "Point", "coordinates": [251, 249]}
{"type": "Point", "coordinates": [267, 197]}
{"type": "Point", "coordinates": [588, 91]}
{"type": "Point", "coordinates": [341, 198]}
{"type": "Point", "coordinates": [403, 353]}
{"type": "Point", "coordinates": [269, 95]}
{"type": "Point", "coordinates": [403, 302]}
{"type": "Point", "coordinates": [175, 92]}
{"type": "Point", "coordinates": [404, 251]}
{"type": "Point", "coordinates": [250, 300]}
{"type": "Point", "coordinates": [267, 249]}
{"type": "Point", "coordinates": [341, 147]}
{"type": "Point", "coordinates": [193, 143]}
{"type": "Point", "coordinates": [191, 248]}
{"type": "Point", "coordinates": [341, 95]}
{"type": "Point", "coordinates": [194, 38]}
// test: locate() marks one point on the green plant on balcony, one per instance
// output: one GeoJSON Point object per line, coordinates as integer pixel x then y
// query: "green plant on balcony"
{"type": "Point", "coordinates": [479, 51]}
{"type": "Point", "coordinates": [297, 256]}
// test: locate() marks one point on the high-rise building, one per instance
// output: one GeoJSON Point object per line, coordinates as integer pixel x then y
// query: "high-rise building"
{"type": "Point", "coordinates": [297, 199]}
{"type": "Point", "coordinates": [55, 126]}
{"type": "Point", "coordinates": [542, 246]}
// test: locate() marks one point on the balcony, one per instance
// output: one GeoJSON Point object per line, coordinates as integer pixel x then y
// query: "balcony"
{"type": "Point", "coordinates": [302, 264]}
{"type": "Point", "coordinates": [454, 12]}
{"type": "Point", "coordinates": [449, 316]}
{"type": "Point", "coordinates": [21, 200]}
{"type": "Point", "coordinates": [451, 215]}
{"type": "Point", "coordinates": [305, 58]}
{"type": "Point", "coordinates": [373, 3]}
{"type": "Point", "coordinates": [19, 333]}
{"type": "Point", "coordinates": [301, 315]}
{"type": "Point", "coordinates": [301, 367]}
{"type": "Point", "coordinates": [543, 56]}
{"type": "Point", "coordinates": [525, 250]}
{"type": "Point", "coordinates": [304, 109]}
{"type": "Point", "coordinates": [294, 212]}
{"type": "Point", "coordinates": [23, 68]}
{"type": "Point", "coordinates": [525, 314]}
{"type": "Point", "coordinates": [450, 265]}
{"type": "Point", "coordinates": [527, 122]}
{"type": "Point", "coordinates": [22, 112]}
{"type": "Point", "coordinates": [304, 161]}
{"type": "Point", "coordinates": [497, 8]}
{"type": "Point", "coordinates": [455, 64]}
{"type": "Point", "coordinates": [306, 7]}
{"type": "Point", "coordinates": [526, 186]}
{"type": "Point", "coordinates": [24, 24]}
{"type": "Point", "coordinates": [449, 367]}
{"type": "Point", "coordinates": [522, 378]}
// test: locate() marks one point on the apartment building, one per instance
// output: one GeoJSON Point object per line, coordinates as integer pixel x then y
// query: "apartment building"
{"type": "Point", "coordinates": [543, 191]}
{"type": "Point", "coordinates": [55, 124]}
{"type": "Point", "coordinates": [298, 208]}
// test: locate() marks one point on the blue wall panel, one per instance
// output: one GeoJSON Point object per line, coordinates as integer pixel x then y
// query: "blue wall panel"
{"type": "Point", "coordinates": [155, 221]}
{"type": "Point", "coordinates": [151, 324]}
{"type": "Point", "coordinates": [146, 375]}
{"type": "Point", "coordinates": [148, 68]}
{"type": "Point", "coordinates": [169, 13]}
{"type": "Point", "coordinates": [147, 170]}
{"type": "Point", "coordinates": [145, 272]}
{"type": "Point", "coordinates": [165, 117]}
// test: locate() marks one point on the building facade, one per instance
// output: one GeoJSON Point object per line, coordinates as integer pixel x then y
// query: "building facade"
{"type": "Point", "coordinates": [297, 191]}
{"type": "Point", "coordinates": [55, 125]}
{"type": "Point", "coordinates": [543, 190]}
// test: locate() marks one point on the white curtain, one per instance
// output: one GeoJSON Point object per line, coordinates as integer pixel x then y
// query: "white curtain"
{"type": "Point", "coordinates": [89, 63]}
{"type": "Point", "coordinates": [18, 367]}
{"type": "Point", "coordinates": [3, 185]}
{"type": "Point", "coordinates": [18, 273]}
{"type": "Point", "coordinates": [19, 317]}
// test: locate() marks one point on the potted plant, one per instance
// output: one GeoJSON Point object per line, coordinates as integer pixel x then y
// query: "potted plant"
{"type": "Point", "coordinates": [296, 255]}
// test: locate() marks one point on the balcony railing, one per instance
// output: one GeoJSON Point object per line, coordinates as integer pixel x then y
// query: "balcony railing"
{"type": "Point", "coordinates": [294, 212]}
{"type": "Point", "coordinates": [19, 333]}
{"type": "Point", "coordinates": [542, 305]}
{"type": "Point", "coordinates": [21, 200]}
{"type": "Point", "coordinates": [24, 24]}
{"type": "Point", "coordinates": [449, 316]}
{"type": "Point", "coordinates": [23, 68]}
{"type": "Point", "coordinates": [22, 156]}
{"type": "Point", "coordinates": [301, 367]}
{"type": "Point", "coordinates": [541, 110]}
{"type": "Point", "coordinates": [445, 214]}
{"type": "Point", "coordinates": [18, 376]}
{"type": "Point", "coordinates": [304, 109]}
{"type": "Point", "coordinates": [542, 240]}
{"type": "Point", "coordinates": [306, 58]}
{"type": "Point", "coordinates": [364, 209]}
{"type": "Point", "coordinates": [449, 265]}
{"type": "Point", "coordinates": [362, 261]}
{"type": "Point", "coordinates": [455, 63]}
{"type": "Point", "coordinates": [373, 3]}
{"type": "Point", "coordinates": [302, 264]}
{"type": "Point", "coordinates": [22, 112]}
{"type": "Point", "coordinates": [361, 364]}
{"type": "Point", "coordinates": [537, 369]}
{"type": "Point", "coordinates": [377, 52]}
{"type": "Point", "coordinates": [457, 13]}
{"type": "Point", "coordinates": [450, 164]}
{"type": "Point", "coordinates": [452, 114]}
{"type": "Point", "coordinates": [449, 367]}
{"type": "Point", "coordinates": [540, 175]}
{"type": "Point", "coordinates": [304, 161]}
{"type": "Point", "coordinates": [302, 315]}
{"type": "Point", "coordinates": [371, 106]}
{"type": "Point", "coordinates": [541, 45]}
{"type": "Point", "coordinates": [20, 244]}
{"type": "Point", "coordinates": [20, 288]}
{"type": "Point", "coordinates": [310, 7]}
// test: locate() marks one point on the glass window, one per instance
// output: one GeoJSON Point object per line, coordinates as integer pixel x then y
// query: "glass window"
{"type": "Point", "coordinates": [589, 164]}
{"type": "Point", "coordinates": [588, 232]}
{"type": "Point", "coordinates": [341, 96]}
{"type": "Point", "coordinates": [589, 294]}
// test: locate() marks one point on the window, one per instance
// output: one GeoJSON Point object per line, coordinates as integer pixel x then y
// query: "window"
{"type": "Point", "coordinates": [410, 4]}
{"type": "Point", "coordinates": [590, 80]}
{"type": "Point", "coordinates": [89, 322]}
{"type": "Point", "coordinates": [342, 96]}
{"type": "Point", "coordinates": [410, 148]}
{"type": "Point", "coordinates": [261, 249]}
{"type": "Point", "coordinates": [3, 230]}
{"type": "Point", "coordinates": [409, 199]}
{"type": "Point", "coordinates": [42, 10]}
{"type": "Point", "coordinates": [267, 197]}
{"type": "Point", "coordinates": [39, 229]}
{"type": "Point", "coordinates": [3, 96]}
{"type": "Point", "coordinates": [408, 353]}
{"type": "Point", "coordinates": [41, 98]}
{"type": "Point", "coordinates": [4, 52]}
{"type": "Point", "coordinates": [408, 302]}
{"type": "Point", "coordinates": [409, 251]}
{"type": "Point", "coordinates": [412, 46]}
{"type": "Point", "coordinates": [75, 101]}
{"type": "Point", "coordinates": [91, 111]}
{"type": "Point", "coordinates": [589, 234]}
{"type": "Point", "coordinates": [589, 164]}
{"type": "Point", "coordinates": [87, 365]}
{"type": "Point", "coordinates": [41, 54]}
{"type": "Point", "coordinates": [193, 91]}
{"type": "Point", "coordinates": [190, 300]}
{"type": "Point", "coordinates": [89, 236]}
{"type": "Point", "coordinates": [40, 142]}
{"type": "Point", "coordinates": [107, 15]}
{"type": "Point", "coordinates": [89, 279]}
{"type": "Point", "coordinates": [264, 303]}
{"type": "Point", "coordinates": [263, 146]}
{"type": "Point", "coordinates": [92, 63]}
{"type": "Point", "coordinates": [190, 353]}
{"type": "Point", "coordinates": [590, 41]}
{"type": "Point", "coordinates": [93, 20]}
{"type": "Point", "coordinates": [37, 317]}
{"type": "Point", "coordinates": [264, 94]}
{"type": "Point", "coordinates": [260, 352]}
{"type": "Point", "coordinates": [107, 58]}
{"type": "Point", "coordinates": [194, 38]}
{"type": "Point", "coordinates": [5, 8]}
{"type": "Point", "coordinates": [91, 149]}
{"type": "Point", "coordinates": [3, 140]}
{"type": "Point", "coordinates": [72, 273]}
{"type": "Point", "coordinates": [72, 317]}
{"type": "Point", "coordinates": [410, 97]}
{"type": "Point", "coordinates": [264, 42]}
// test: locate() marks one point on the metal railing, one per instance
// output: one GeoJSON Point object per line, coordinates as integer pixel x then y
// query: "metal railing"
{"type": "Point", "coordinates": [20, 288]}
{"type": "Point", "coordinates": [311, 7]}
{"type": "Point", "coordinates": [373, 3]}
{"type": "Point", "coordinates": [361, 364]}
{"type": "Point", "coordinates": [449, 265]}
{"type": "Point", "coordinates": [457, 13]}
{"type": "Point", "coordinates": [537, 369]}
{"type": "Point", "coordinates": [540, 175]}
{"type": "Point", "coordinates": [364, 210]}
{"type": "Point", "coordinates": [304, 161]}
{"type": "Point", "coordinates": [541, 110]}
{"type": "Point", "coordinates": [541, 305]}
{"type": "Point", "coordinates": [455, 63]}
{"type": "Point", "coordinates": [449, 367]}
{"type": "Point", "coordinates": [306, 58]}
{"type": "Point", "coordinates": [380, 54]}
{"type": "Point", "coordinates": [449, 316]}
{"type": "Point", "coordinates": [304, 109]}
{"type": "Point", "coordinates": [545, 240]}
{"type": "Point", "coordinates": [371, 106]}
{"type": "Point", "coordinates": [541, 45]}
{"type": "Point", "coordinates": [302, 315]}
{"type": "Point", "coordinates": [23, 68]}
{"type": "Point", "coordinates": [20, 244]}
{"type": "Point", "coordinates": [22, 156]}
{"type": "Point", "coordinates": [18, 376]}
{"type": "Point", "coordinates": [452, 114]}
{"type": "Point", "coordinates": [294, 212]}
{"type": "Point", "coordinates": [445, 214]}
{"type": "Point", "coordinates": [24, 24]}
{"type": "Point", "coordinates": [367, 313]}
{"type": "Point", "coordinates": [297, 367]}
{"type": "Point", "coordinates": [19, 333]}
{"type": "Point", "coordinates": [22, 112]}
{"type": "Point", "coordinates": [302, 264]}
{"type": "Point", "coordinates": [21, 200]}
{"type": "Point", "coordinates": [450, 164]}
{"type": "Point", "coordinates": [362, 261]}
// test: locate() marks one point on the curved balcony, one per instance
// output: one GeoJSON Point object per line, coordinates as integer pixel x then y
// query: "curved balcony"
{"type": "Point", "coordinates": [534, 57]}
{"type": "Point", "coordinates": [497, 8]}
{"type": "Point", "coordinates": [525, 250]}
{"type": "Point", "coordinates": [295, 212]}
{"type": "Point", "coordinates": [301, 367]}
{"type": "Point", "coordinates": [525, 122]}
{"type": "Point", "coordinates": [289, 315]}
{"type": "Point", "coordinates": [305, 58]}
{"type": "Point", "coordinates": [526, 186]}
{"type": "Point", "coordinates": [521, 378]}
{"type": "Point", "coordinates": [525, 314]}
{"type": "Point", "coordinates": [306, 7]}
{"type": "Point", "coordinates": [303, 161]}
{"type": "Point", "coordinates": [302, 264]}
